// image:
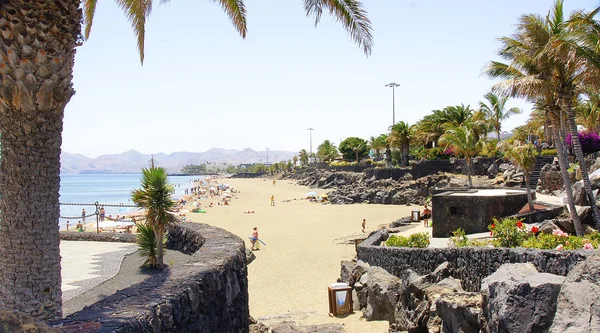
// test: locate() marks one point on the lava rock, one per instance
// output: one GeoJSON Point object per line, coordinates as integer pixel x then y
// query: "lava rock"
{"type": "Point", "coordinates": [383, 291]}
{"type": "Point", "coordinates": [518, 298]}
{"type": "Point", "coordinates": [578, 308]}
{"type": "Point", "coordinates": [459, 312]}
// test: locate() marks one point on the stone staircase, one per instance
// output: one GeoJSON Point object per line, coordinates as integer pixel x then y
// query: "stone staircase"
{"type": "Point", "coordinates": [540, 161]}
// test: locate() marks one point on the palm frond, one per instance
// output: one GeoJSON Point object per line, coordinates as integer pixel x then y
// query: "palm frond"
{"type": "Point", "coordinates": [236, 10]}
{"type": "Point", "coordinates": [350, 13]}
{"type": "Point", "coordinates": [137, 11]}
{"type": "Point", "coordinates": [89, 8]}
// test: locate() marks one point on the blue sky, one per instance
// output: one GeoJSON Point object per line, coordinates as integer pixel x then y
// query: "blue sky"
{"type": "Point", "coordinates": [203, 86]}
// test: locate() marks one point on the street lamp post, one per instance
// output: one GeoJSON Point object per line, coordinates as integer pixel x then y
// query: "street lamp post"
{"type": "Point", "coordinates": [267, 155]}
{"type": "Point", "coordinates": [311, 129]}
{"type": "Point", "coordinates": [393, 85]}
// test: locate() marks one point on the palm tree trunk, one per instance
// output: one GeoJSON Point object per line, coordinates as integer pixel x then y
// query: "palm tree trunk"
{"type": "Point", "coordinates": [469, 172]}
{"type": "Point", "coordinates": [405, 152]}
{"type": "Point", "coordinates": [528, 189]}
{"type": "Point", "coordinates": [498, 134]}
{"type": "Point", "coordinates": [37, 51]}
{"type": "Point", "coordinates": [562, 161]}
{"type": "Point", "coordinates": [388, 156]}
{"type": "Point", "coordinates": [567, 105]}
{"type": "Point", "coordinates": [159, 247]}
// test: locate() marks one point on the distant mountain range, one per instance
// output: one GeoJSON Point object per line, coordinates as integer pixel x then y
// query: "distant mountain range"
{"type": "Point", "coordinates": [132, 161]}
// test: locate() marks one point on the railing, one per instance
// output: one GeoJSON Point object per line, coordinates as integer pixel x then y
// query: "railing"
{"type": "Point", "coordinates": [97, 212]}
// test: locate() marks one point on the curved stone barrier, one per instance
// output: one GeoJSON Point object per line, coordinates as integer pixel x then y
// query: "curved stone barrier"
{"type": "Point", "coordinates": [94, 237]}
{"type": "Point", "coordinates": [208, 293]}
{"type": "Point", "coordinates": [469, 264]}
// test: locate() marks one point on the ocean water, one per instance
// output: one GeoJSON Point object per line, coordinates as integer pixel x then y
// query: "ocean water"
{"type": "Point", "coordinates": [85, 190]}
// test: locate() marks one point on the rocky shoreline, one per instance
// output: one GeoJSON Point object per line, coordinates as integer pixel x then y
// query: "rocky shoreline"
{"type": "Point", "coordinates": [357, 187]}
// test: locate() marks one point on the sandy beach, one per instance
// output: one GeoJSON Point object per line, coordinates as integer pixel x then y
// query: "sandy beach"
{"type": "Point", "coordinates": [305, 243]}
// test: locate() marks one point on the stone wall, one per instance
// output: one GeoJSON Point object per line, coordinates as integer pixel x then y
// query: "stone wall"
{"type": "Point", "coordinates": [471, 265]}
{"type": "Point", "coordinates": [209, 293]}
{"type": "Point", "coordinates": [94, 237]}
{"type": "Point", "coordinates": [247, 175]}
{"type": "Point", "coordinates": [473, 213]}
{"type": "Point", "coordinates": [429, 167]}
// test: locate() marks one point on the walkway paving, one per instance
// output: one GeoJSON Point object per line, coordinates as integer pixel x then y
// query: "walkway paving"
{"type": "Point", "coordinates": [87, 264]}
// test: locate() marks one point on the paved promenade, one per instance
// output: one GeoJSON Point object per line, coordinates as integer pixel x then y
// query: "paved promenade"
{"type": "Point", "coordinates": [87, 264]}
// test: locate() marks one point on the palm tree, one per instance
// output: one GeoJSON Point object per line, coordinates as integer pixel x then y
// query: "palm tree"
{"type": "Point", "coordinates": [430, 128]}
{"type": "Point", "coordinates": [37, 53]}
{"type": "Point", "coordinates": [495, 109]}
{"type": "Point", "coordinates": [155, 197]}
{"type": "Point", "coordinates": [464, 141]}
{"type": "Point", "coordinates": [530, 75]}
{"type": "Point", "coordinates": [523, 156]}
{"type": "Point", "coordinates": [303, 155]}
{"type": "Point", "coordinates": [327, 151]}
{"type": "Point", "coordinates": [400, 137]}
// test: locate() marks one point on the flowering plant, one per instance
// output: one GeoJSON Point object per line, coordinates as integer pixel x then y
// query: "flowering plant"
{"type": "Point", "coordinates": [535, 230]}
{"type": "Point", "coordinates": [590, 141]}
{"type": "Point", "coordinates": [510, 232]}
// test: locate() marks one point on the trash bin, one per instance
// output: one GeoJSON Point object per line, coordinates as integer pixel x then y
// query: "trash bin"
{"type": "Point", "coordinates": [416, 215]}
{"type": "Point", "coordinates": [340, 299]}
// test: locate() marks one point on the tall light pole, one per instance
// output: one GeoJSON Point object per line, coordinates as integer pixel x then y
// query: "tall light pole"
{"type": "Point", "coordinates": [267, 156]}
{"type": "Point", "coordinates": [311, 129]}
{"type": "Point", "coordinates": [393, 85]}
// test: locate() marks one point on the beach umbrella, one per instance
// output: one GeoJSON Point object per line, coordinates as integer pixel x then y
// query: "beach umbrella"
{"type": "Point", "coordinates": [311, 194]}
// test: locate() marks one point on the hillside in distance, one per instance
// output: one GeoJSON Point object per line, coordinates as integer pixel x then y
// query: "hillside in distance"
{"type": "Point", "coordinates": [133, 161]}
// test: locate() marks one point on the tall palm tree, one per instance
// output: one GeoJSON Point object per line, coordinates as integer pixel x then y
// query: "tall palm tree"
{"type": "Point", "coordinates": [495, 109]}
{"type": "Point", "coordinates": [523, 156]}
{"type": "Point", "coordinates": [576, 68]}
{"type": "Point", "coordinates": [327, 151]}
{"type": "Point", "coordinates": [530, 75]}
{"type": "Point", "coordinates": [155, 197]}
{"type": "Point", "coordinates": [430, 128]}
{"type": "Point", "coordinates": [400, 136]}
{"type": "Point", "coordinates": [464, 141]}
{"type": "Point", "coordinates": [37, 52]}
{"type": "Point", "coordinates": [303, 156]}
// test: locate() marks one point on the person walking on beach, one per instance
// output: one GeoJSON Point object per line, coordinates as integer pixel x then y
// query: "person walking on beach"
{"type": "Point", "coordinates": [274, 182]}
{"type": "Point", "coordinates": [102, 213]}
{"type": "Point", "coordinates": [83, 215]}
{"type": "Point", "coordinates": [364, 224]}
{"type": "Point", "coordinates": [254, 239]}
{"type": "Point", "coordinates": [426, 216]}
{"type": "Point", "coordinates": [272, 200]}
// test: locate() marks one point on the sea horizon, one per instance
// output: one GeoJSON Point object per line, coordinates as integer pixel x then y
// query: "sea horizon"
{"type": "Point", "coordinates": [82, 191]}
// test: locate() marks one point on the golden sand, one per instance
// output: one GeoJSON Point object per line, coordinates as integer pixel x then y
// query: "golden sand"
{"type": "Point", "coordinates": [305, 243]}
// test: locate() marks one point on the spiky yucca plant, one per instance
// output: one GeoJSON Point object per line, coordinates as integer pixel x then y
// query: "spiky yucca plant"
{"type": "Point", "coordinates": [155, 197]}
{"type": "Point", "coordinates": [146, 240]}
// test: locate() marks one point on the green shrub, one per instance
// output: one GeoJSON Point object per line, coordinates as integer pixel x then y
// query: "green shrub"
{"type": "Point", "coordinates": [368, 161]}
{"type": "Point", "coordinates": [568, 242]}
{"type": "Point", "coordinates": [380, 163]}
{"type": "Point", "coordinates": [548, 152]}
{"type": "Point", "coordinates": [459, 238]}
{"type": "Point", "coordinates": [340, 164]}
{"type": "Point", "coordinates": [510, 232]}
{"type": "Point", "coordinates": [419, 240]}
{"type": "Point", "coordinates": [490, 149]}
